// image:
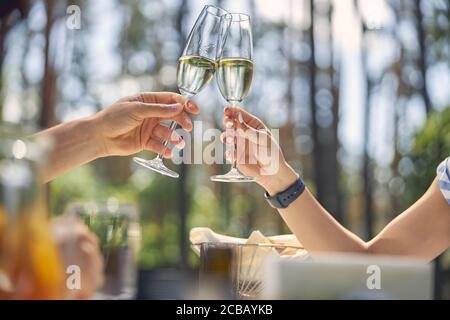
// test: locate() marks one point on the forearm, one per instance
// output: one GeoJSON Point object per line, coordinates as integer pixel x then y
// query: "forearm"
{"type": "Point", "coordinates": [313, 226]}
{"type": "Point", "coordinates": [73, 143]}
{"type": "Point", "coordinates": [422, 231]}
{"type": "Point", "coordinates": [317, 230]}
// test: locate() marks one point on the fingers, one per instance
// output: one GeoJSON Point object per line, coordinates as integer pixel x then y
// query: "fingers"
{"type": "Point", "coordinates": [249, 154]}
{"type": "Point", "coordinates": [164, 112]}
{"type": "Point", "coordinates": [158, 147]}
{"type": "Point", "coordinates": [257, 136]}
{"type": "Point", "coordinates": [229, 122]}
{"type": "Point", "coordinates": [183, 120]}
{"type": "Point", "coordinates": [238, 148]}
{"type": "Point", "coordinates": [165, 134]}
{"type": "Point", "coordinates": [167, 98]}
{"type": "Point", "coordinates": [240, 115]}
{"type": "Point", "coordinates": [144, 110]}
{"type": "Point", "coordinates": [227, 138]}
{"type": "Point", "coordinates": [192, 107]}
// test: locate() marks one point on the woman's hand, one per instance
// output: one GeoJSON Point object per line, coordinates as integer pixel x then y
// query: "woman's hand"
{"type": "Point", "coordinates": [79, 247]}
{"type": "Point", "coordinates": [258, 153]}
{"type": "Point", "coordinates": [132, 124]}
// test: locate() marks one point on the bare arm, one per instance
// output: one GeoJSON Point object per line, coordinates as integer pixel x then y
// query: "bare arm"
{"type": "Point", "coordinates": [422, 231]}
{"type": "Point", "coordinates": [130, 125]}
{"type": "Point", "coordinates": [73, 144]}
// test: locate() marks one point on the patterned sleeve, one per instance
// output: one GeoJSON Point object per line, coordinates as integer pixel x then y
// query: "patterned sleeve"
{"type": "Point", "coordinates": [443, 172]}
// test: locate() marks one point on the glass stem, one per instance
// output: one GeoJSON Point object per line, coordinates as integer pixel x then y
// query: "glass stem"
{"type": "Point", "coordinates": [172, 127]}
{"type": "Point", "coordinates": [234, 104]}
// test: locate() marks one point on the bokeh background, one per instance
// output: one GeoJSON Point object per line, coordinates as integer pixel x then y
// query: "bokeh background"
{"type": "Point", "coordinates": [359, 89]}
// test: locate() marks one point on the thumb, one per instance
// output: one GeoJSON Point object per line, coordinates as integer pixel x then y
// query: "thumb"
{"type": "Point", "coordinates": [156, 110]}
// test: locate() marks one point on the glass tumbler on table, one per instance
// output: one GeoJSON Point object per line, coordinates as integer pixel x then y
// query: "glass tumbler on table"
{"type": "Point", "coordinates": [117, 228]}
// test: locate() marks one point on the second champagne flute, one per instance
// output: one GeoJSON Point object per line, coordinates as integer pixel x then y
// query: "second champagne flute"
{"type": "Point", "coordinates": [235, 75]}
{"type": "Point", "coordinates": [196, 67]}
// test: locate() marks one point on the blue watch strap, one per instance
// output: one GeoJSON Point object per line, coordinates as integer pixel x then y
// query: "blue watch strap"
{"type": "Point", "coordinates": [283, 199]}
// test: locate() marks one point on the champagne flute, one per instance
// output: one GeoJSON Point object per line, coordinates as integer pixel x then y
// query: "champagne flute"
{"type": "Point", "coordinates": [234, 76]}
{"type": "Point", "coordinates": [196, 67]}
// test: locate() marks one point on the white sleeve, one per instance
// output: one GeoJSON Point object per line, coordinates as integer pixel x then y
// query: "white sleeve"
{"type": "Point", "coordinates": [443, 172]}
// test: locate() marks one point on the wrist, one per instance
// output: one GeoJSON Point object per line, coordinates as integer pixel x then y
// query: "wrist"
{"type": "Point", "coordinates": [96, 143]}
{"type": "Point", "coordinates": [284, 178]}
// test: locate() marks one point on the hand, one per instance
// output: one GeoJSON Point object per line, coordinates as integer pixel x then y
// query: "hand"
{"type": "Point", "coordinates": [79, 247]}
{"type": "Point", "coordinates": [132, 124]}
{"type": "Point", "coordinates": [261, 156]}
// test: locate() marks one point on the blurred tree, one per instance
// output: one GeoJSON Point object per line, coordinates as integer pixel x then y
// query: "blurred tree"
{"type": "Point", "coordinates": [335, 85]}
{"type": "Point", "coordinates": [49, 92]}
{"type": "Point", "coordinates": [287, 132]}
{"type": "Point", "coordinates": [431, 146]}
{"type": "Point", "coordinates": [11, 13]}
{"type": "Point", "coordinates": [367, 170]}
{"type": "Point", "coordinates": [312, 69]}
{"type": "Point", "coordinates": [183, 201]}
{"type": "Point", "coordinates": [410, 62]}
{"type": "Point", "coordinates": [49, 96]}
{"type": "Point", "coordinates": [422, 54]}
{"type": "Point", "coordinates": [324, 109]}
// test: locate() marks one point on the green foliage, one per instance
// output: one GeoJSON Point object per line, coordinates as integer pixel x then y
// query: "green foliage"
{"type": "Point", "coordinates": [110, 229]}
{"type": "Point", "coordinates": [431, 147]}
{"type": "Point", "coordinates": [83, 184]}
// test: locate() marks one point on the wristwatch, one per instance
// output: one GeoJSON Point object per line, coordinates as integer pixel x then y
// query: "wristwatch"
{"type": "Point", "coordinates": [283, 199]}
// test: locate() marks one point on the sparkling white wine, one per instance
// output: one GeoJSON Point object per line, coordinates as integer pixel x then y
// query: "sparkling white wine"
{"type": "Point", "coordinates": [193, 73]}
{"type": "Point", "coordinates": [234, 77]}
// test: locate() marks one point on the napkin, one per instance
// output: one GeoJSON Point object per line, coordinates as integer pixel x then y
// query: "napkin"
{"type": "Point", "coordinates": [206, 235]}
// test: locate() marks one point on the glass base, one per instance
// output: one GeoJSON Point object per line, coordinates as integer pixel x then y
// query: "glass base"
{"type": "Point", "coordinates": [232, 176]}
{"type": "Point", "coordinates": [156, 165]}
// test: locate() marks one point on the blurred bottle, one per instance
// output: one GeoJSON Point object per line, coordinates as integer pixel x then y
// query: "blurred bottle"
{"type": "Point", "coordinates": [30, 266]}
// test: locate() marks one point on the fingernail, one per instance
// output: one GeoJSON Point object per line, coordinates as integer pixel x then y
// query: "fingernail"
{"type": "Point", "coordinates": [190, 105]}
{"type": "Point", "coordinates": [229, 124]}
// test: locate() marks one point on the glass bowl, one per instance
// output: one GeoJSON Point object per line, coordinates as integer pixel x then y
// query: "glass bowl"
{"type": "Point", "coordinates": [242, 264]}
